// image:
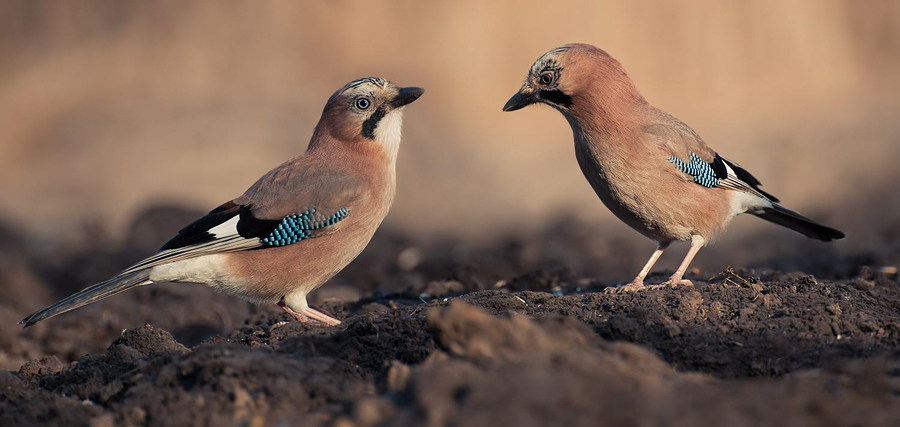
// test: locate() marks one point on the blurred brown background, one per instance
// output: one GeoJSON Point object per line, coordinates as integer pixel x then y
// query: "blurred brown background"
{"type": "Point", "coordinates": [108, 107]}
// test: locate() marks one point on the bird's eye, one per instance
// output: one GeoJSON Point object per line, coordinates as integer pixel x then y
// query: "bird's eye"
{"type": "Point", "coordinates": [362, 103]}
{"type": "Point", "coordinates": [547, 78]}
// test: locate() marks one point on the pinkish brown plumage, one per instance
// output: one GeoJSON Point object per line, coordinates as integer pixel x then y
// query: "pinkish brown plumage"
{"type": "Point", "coordinates": [298, 225]}
{"type": "Point", "coordinates": [650, 169]}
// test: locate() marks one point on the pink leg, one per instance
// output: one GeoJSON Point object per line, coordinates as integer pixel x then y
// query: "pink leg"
{"type": "Point", "coordinates": [638, 281]}
{"type": "Point", "coordinates": [309, 315]}
{"type": "Point", "coordinates": [697, 242]}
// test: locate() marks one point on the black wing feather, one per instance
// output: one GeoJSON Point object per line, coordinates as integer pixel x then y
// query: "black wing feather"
{"type": "Point", "coordinates": [718, 166]}
{"type": "Point", "coordinates": [198, 231]}
{"type": "Point", "coordinates": [249, 226]}
{"type": "Point", "coordinates": [745, 176]}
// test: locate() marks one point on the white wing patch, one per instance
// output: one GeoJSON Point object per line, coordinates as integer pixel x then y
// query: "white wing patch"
{"type": "Point", "coordinates": [225, 229]}
{"type": "Point", "coordinates": [729, 170]}
{"type": "Point", "coordinates": [225, 239]}
{"type": "Point", "coordinates": [733, 182]}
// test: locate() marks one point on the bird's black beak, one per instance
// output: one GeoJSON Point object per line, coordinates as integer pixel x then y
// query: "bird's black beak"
{"type": "Point", "coordinates": [523, 98]}
{"type": "Point", "coordinates": [406, 96]}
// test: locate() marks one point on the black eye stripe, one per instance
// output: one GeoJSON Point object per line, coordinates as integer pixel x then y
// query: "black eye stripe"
{"type": "Point", "coordinates": [556, 97]}
{"type": "Point", "coordinates": [368, 126]}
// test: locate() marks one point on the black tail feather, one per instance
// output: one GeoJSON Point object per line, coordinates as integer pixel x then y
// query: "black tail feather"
{"type": "Point", "coordinates": [799, 223]}
{"type": "Point", "coordinates": [89, 295]}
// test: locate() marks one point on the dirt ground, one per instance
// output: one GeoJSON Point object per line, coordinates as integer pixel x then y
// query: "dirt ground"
{"type": "Point", "coordinates": [442, 334]}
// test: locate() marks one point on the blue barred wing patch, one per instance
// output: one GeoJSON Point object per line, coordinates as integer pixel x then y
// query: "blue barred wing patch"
{"type": "Point", "coordinates": [702, 172]}
{"type": "Point", "coordinates": [301, 226]}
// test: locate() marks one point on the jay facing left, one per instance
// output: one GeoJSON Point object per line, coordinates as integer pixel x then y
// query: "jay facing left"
{"type": "Point", "coordinates": [650, 169]}
{"type": "Point", "coordinates": [298, 225]}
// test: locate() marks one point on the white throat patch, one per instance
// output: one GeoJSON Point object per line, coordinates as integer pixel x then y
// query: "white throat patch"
{"type": "Point", "coordinates": [388, 132]}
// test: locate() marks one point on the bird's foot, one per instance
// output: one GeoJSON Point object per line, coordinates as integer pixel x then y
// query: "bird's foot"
{"type": "Point", "coordinates": [310, 315]}
{"type": "Point", "coordinates": [634, 286]}
{"type": "Point", "coordinates": [321, 317]}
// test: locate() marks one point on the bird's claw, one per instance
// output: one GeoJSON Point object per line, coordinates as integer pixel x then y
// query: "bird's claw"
{"type": "Point", "coordinates": [309, 315]}
{"type": "Point", "coordinates": [630, 287]}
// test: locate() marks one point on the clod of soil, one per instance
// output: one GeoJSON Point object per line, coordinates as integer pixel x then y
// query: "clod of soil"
{"type": "Point", "coordinates": [798, 352]}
